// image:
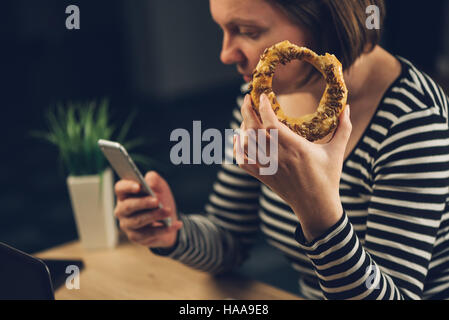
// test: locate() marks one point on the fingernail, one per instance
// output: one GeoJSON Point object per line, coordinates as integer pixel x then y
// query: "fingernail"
{"type": "Point", "coordinates": [136, 187]}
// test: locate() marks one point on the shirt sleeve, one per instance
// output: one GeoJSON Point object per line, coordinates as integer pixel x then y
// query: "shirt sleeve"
{"type": "Point", "coordinates": [220, 239]}
{"type": "Point", "coordinates": [408, 202]}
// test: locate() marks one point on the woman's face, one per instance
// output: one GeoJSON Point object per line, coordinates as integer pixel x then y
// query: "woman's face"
{"type": "Point", "coordinates": [249, 27]}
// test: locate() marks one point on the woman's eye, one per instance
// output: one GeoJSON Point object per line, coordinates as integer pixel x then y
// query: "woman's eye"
{"type": "Point", "coordinates": [249, 33]}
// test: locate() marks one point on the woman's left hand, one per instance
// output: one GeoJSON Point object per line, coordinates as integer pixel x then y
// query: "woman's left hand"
{"type": "Point", "coordinates": [308, 174]}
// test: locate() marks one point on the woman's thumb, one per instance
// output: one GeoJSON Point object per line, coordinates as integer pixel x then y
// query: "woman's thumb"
{"type": "Point", "coordinates": [343, 131]}
{"type": "Point", "coordinates": [154, 181]}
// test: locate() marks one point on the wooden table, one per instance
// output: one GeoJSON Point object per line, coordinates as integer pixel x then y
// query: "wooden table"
{"type": "Point", "coordinates": [133, 272]}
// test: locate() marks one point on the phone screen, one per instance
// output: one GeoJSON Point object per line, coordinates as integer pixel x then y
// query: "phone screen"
{"type": "Point", "coordinates": [125, 167]}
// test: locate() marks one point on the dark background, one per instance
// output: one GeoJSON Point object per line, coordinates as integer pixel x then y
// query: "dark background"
{"type": "Point", "coordinates": [158, 57]}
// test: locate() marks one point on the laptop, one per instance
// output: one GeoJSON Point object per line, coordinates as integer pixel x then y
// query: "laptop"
{"type": "Point", "coordinates": [24, 277]}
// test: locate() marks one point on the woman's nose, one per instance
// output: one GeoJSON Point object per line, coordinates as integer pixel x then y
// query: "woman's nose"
{"type": "Point", "coordinates": [230, 54]}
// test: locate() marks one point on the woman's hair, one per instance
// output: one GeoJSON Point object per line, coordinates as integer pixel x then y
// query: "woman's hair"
{"type": "Point", "coordinates": [336, 26]}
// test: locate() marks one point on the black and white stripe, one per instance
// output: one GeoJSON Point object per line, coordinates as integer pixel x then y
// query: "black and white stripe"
{"type": "Point", "coordinates": [394, 189]}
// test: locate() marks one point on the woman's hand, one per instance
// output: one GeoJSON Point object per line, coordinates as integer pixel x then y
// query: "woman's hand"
{"type": "Point", "coordinates": [139, 215]}
{"type": "Point", "coordinates": [308, 174]}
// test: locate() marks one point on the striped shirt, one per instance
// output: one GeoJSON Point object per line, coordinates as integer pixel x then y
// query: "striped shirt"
{"type": "Point", "coordinates": [392, 241]}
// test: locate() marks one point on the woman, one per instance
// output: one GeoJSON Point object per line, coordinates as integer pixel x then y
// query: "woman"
{"type": "Point", "coordinates": [363, 213]}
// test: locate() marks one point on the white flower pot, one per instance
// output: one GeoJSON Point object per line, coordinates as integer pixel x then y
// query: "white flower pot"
{"type": "Point", "coordinates": [92, 201]}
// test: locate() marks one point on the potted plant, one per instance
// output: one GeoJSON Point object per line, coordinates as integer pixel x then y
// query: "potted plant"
{"type": "Point", "coordinates": [75, 129]}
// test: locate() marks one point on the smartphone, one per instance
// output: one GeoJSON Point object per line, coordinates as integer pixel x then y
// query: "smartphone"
{"type": "Point", "coordinates": [125, 167]}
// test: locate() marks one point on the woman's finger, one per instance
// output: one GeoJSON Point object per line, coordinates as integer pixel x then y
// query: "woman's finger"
{"type": "Point", "coordinates": [244, 162]}
{"type": "Point", "coordinates": [269, 118]}
{"type": "Point", "coordinates": [126, 188]}
{"type": "Point", "coordinates": [141, 219]}
{"type": "Point", "coordinates": [343, 131]}
{"type": "Point", "coordinates": [240, 134]}
{"type": "Point", "coordinates": [250, 117]}
{"type": "Point", "coordinates": [130, 205]}
{"type": "Point", "coordinates": [248, 143]}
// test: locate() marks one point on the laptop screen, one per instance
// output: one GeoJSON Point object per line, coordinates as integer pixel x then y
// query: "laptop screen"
{"type": "Point", "coordinates": [23, 276]}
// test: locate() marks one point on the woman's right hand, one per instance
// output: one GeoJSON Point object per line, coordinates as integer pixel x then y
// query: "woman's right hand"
{"type": "Point", "coordinates": [140, 216]}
